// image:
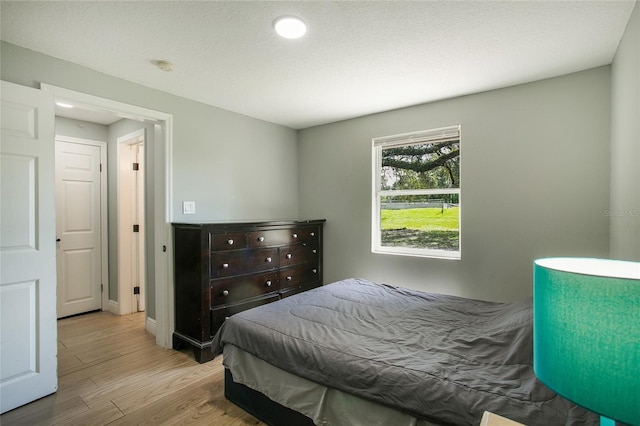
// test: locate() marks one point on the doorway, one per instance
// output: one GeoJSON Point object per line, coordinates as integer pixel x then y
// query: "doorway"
{"type": "Point", "coordinates": [159, 248]}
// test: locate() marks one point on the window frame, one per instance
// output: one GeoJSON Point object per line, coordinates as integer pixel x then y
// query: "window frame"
{"type": "Point", "coordinates": [438, 135]}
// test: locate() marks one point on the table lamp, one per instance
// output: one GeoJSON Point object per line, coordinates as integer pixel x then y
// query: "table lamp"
{"type": "Point", "coordinates": [586, 334]}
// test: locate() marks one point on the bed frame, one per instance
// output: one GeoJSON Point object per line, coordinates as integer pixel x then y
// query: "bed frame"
{"type": "Point", "coordinates": [260, 406]}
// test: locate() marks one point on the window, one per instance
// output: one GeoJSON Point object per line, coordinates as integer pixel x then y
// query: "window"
{"type": "Point", "coordinates": [416, 194]}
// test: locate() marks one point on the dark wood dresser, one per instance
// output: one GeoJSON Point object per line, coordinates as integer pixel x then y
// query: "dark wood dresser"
{"type": "Point", "coordinates": [224, 268]}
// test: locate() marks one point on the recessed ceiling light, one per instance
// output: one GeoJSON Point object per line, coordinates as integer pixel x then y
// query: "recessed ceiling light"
{"type": "Point", "coordinates": [290, 27]}
{"type": "Point", "coordinates": [64, 105]}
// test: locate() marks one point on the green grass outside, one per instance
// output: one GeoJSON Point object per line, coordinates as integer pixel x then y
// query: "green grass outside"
{"type": "Point", "coordinates": [429, 219]}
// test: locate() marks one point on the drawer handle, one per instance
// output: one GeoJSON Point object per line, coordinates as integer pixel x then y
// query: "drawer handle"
{"type": "Point", "coordinates": [315, 271]}
{"type": "Point", "coordinates": [230, 242]}
{"type": "Point", "coordinates": [261, 239]}
{"type": "Point", "coordinates": [295, 235]}
{"type": "Point", "coordinates": [268, 283]}
{"type": "Point", "coordinates": [225, 266]}
{"type": "Point", "coordinates": [289, 278]}
{"type": "Point", "coordinates": [268, 259]}
{"type": "Point", "coordinates": [289, 255]}
{"type": "Point", "coordinates": [313, 234]}
{"type": "Point", "coordinates": [225, 292]}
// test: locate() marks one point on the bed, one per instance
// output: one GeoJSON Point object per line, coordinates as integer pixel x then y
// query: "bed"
{"type": "Point", "coordinates": [357, 352]}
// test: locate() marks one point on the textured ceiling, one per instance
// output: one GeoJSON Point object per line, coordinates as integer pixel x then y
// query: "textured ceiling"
{"type": "Point", "coordinates": [358, 57]}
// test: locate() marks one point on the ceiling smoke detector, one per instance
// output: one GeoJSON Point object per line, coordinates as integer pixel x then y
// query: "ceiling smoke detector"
{"type": "Point", "coordinates": [164, 65]}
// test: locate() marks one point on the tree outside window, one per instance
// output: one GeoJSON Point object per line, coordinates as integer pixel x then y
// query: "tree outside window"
{"type": "Point", "coordinates": [416, 209]}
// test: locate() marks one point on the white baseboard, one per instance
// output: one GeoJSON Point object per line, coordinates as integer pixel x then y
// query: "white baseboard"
{"type": "Point", "coordinates": [113, 307]}
{"type": "Point", "coordinates": [150, 325]}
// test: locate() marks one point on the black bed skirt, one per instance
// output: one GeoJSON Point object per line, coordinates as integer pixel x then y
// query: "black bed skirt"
{"type": "Point", "coordinates": [260, 406]}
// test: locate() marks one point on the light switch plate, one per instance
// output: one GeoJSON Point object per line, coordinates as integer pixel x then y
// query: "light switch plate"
{"type": "Point", "coordinates": [188, 207]}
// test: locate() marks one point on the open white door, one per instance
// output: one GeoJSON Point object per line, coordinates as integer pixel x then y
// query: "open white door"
{"type": "Point", "coordinates": [131, 225]}
{"type": "Point", "coordinates": [28, 335]}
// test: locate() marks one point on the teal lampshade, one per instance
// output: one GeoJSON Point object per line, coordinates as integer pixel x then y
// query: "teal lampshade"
{"type": "Point", "coordinates": [586, 333]}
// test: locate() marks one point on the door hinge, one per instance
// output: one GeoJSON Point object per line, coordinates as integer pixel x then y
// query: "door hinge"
{"type": "Point", "coordinates": [136, 290]}
{"type": "Point", "coordinates": [136, 166]}
{"type": "Point", "coordinates": [100, 167]}
{"type": "Point", "coordinates": [101, 288]}
{"type": "Point", "coordinates": [136, 228]}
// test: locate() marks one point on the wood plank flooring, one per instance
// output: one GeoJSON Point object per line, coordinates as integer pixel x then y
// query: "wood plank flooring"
{"type": "Point", "coordinates": [111, 372]}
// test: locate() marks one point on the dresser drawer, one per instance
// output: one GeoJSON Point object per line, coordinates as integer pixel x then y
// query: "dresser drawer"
{"type": "Point", "coordinates": [307, 235]}
{"type": "Point", "coordinates": [219, 315]}
{"type": "Point", "coordinates": [228, 263]}
{"type": "Point", "coordinates": [228, 241]}
{"type": "Point", "coordinates": [226, 291]}
{"type": "Point", "coordinates": [298, 275]}
{"type": "Point", "coordinates": [272, 237]}
{"type": "Point", "coordinates": [298, 254]}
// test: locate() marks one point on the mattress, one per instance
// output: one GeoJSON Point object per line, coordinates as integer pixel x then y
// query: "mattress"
{"type": "Point", "coordinates": [441, 358]}
{"type": "Point", "coordinates": [325, 406]}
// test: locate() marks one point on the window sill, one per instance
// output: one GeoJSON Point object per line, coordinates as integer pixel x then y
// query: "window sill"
{"type": "Point", "coordinates": [432, 254]}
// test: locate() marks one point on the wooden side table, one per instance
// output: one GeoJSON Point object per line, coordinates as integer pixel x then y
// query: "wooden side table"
{"type": "Point", "coordinates": [490, 419]}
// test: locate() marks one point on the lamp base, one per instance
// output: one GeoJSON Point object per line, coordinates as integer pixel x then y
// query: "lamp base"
{"type": "Point", "coordinates": [604, 421]}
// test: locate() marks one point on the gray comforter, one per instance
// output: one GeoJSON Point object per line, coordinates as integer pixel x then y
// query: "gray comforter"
{"type": "Point", "coordinates": [441, 358]}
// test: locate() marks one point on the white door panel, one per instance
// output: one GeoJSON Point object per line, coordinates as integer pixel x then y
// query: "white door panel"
{"type": "Point", "coordinates": [78, 229]}
{"type": "Point", "coordinates": [18, 213]}
{"type": "Point", "coordinates": [22, 360]}
{"type": "Point", "coordinates": [28, 348]}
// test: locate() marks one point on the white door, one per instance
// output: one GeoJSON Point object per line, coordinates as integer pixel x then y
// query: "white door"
{"type": "Point", "coordinates": [28, 348]}
{"type": "Point", "coordinates": [137, 202]}
{"type": "Point", "coordinates": [78, 228]}
{"type": "Point", "coordinates": [131, 225]}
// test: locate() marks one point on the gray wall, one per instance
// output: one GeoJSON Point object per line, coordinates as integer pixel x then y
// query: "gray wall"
{"type": "Point", "coordinates": [81, 129]}
{"type": "Point", "coordinates": [625, 144]}
{"type": "Point", "coordinates": [534, 175]}
{"type": "Point", "coordinates": [233, 166]}
{"type": "Point", "coordinates": [535, 170]}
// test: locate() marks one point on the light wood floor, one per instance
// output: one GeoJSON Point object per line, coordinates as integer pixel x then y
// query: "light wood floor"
{"type": "Point", "coordinates": [110, 371]}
